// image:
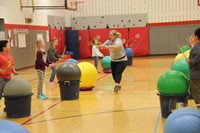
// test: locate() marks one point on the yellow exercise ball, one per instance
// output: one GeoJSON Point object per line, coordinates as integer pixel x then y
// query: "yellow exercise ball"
{"type": "Point", "coordinates": [187, 54]}
{"type": "Point", "coordinates": [184, 55]}
{"type": "Point", "coordinates": [178, 57]}
{"type": "Point", "coordinates": [89, 75]}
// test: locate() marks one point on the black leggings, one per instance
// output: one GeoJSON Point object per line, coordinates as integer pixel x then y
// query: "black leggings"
{"type": "Point", "coordinates": [117, 70]}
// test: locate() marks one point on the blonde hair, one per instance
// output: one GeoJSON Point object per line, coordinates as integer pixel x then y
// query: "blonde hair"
{"type": "Point", "coordinates": [119, 35]}
{"type": "Point", "coordinates": [38, 43]}
{"type": "Point", "coordinates": [91, 43]}
{"type": "Point", "coordinates": [114, 32]}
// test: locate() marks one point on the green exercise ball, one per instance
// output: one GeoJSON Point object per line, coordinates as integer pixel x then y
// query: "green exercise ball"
{"type": "Point", "coordinates": [184, 48]}
{"type": "Point", "coordinates": [182, 66]}
{"type": "Point", "coordinates": [105, 62]}
{"type": "Point", "coordinates": [173, 82]}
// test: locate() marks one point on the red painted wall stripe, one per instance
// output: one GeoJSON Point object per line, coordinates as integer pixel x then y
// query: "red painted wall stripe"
{"type": "Point", "coordinates": [31, 27]}
{"type": "Point", "coordinates": [35, 27]}
{"type": "Point", "coordinates": [174, 23]}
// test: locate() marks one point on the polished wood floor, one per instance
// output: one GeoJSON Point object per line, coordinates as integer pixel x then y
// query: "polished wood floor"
{"type": "Point", "coordinates": [135, 109]}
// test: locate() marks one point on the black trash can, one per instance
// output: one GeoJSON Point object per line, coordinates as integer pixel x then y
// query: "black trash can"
{"type": "Point", "coordinates": [17, 94]}
{"type": "Point", "coordinates": [18, 106]}
{"type": "Point", "coordinates": [69, 90]}
{"type": "Point", "coordinates": [171, 102]}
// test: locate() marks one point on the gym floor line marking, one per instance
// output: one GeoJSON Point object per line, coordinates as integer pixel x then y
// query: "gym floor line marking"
{"type": "Point", "coordinates": [41, 113]}
{"type": "Point", "coordinates": [103, 76]}
{"type": "Point", "coordinates": [157, 122]}
{"type": "Point", "coordinates": [98, 113]}
{"type": "Point", "coordinates": [49, 107]}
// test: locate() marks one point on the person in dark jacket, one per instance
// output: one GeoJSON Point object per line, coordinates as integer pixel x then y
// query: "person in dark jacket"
{"type": "Point", "coordinates": [40, 64]}
{"type": "Point", "coordinates": [53, 57]}
{"type": "Point", "coordinates": [194, 66]}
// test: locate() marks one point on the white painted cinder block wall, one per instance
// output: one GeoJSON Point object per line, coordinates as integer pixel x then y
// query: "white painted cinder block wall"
{"type": "Point", "coordinates": [157, 10]}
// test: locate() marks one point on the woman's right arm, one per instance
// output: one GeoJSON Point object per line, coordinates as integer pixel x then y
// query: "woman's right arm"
{"type": "Point", "coordinates": [104, 45]}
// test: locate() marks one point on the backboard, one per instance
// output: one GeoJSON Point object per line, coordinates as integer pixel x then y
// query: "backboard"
{"type": "Point", "coordinates": [71, 5]}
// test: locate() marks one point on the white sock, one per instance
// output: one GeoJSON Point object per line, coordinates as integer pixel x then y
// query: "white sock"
{"type": "Point", "coordinates": [117, 84]}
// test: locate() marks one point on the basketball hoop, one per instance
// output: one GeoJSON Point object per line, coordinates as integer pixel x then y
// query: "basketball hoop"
{"type": "Point", "coordinates": [27, 12]}
{"type": "Point", "coordinates": [28, 15]}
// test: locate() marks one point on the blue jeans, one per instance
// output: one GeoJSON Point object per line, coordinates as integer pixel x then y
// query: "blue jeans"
{"type": "Point", "coordinates": [53, 68]}
{"type": "Point", "coordinates": [96, 58]}
{"type": "Point", "coordinates": [3, 82]}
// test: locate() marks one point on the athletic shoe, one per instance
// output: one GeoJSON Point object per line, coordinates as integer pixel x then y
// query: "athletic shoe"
{"type": "Point", "coordinates": [117, 88]}
{"type": "Point", "coordinates": [42, 97]}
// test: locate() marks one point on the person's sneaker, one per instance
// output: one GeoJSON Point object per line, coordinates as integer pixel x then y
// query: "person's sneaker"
{"type": "Point", "coordinates": [45, 96]}
{"type": "Point", "coordinates": [52, 83]}
{"type": "Point", "coordinates": [117, 88]}
{"type": "Point", "coordinates": [42, 97]}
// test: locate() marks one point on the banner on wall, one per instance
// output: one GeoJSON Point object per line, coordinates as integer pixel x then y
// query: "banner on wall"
{"type": "Point", "coordinates": [139, 41]}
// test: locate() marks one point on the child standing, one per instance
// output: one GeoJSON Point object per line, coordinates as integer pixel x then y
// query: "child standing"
{"type": "Point", "coordinates": [40, 63]}
{"type": "Point", "coordinates": [96, 53]}
{"type": "Point", "coordinates": [53, 57]}
{"type": "Point", "coordinates": [6, 65]}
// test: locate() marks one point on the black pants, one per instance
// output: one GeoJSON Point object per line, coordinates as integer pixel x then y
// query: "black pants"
{"type": "Point", "coordinates": [117, 70]}
{"type": "Point", "coordinates": [195, 90]}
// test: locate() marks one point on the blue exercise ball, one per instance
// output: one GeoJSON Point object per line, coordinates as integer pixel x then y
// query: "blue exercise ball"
{"type": "Point", "coordinates": [72, 60]}
{"type": "Point", "coordinates": [129, 52]}
{"type": "Point", "coordinates": [183, 121]}
{"type": "Point", "coordinates": [11, 127]}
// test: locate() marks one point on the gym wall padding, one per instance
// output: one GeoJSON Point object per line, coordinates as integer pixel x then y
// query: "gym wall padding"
{"type": "Point", "coordinates": [72, 43]}
{"type": "Point", "coordinates": [60, 35]}
{"type": "Point", "coordinates": [102, 36]}
{"type": "Point", "coordinates": [136, 38]}
{"type": "Point", "coordinates": [85, 50]}
{"type": "Point", "coordinates": [139, 41]}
